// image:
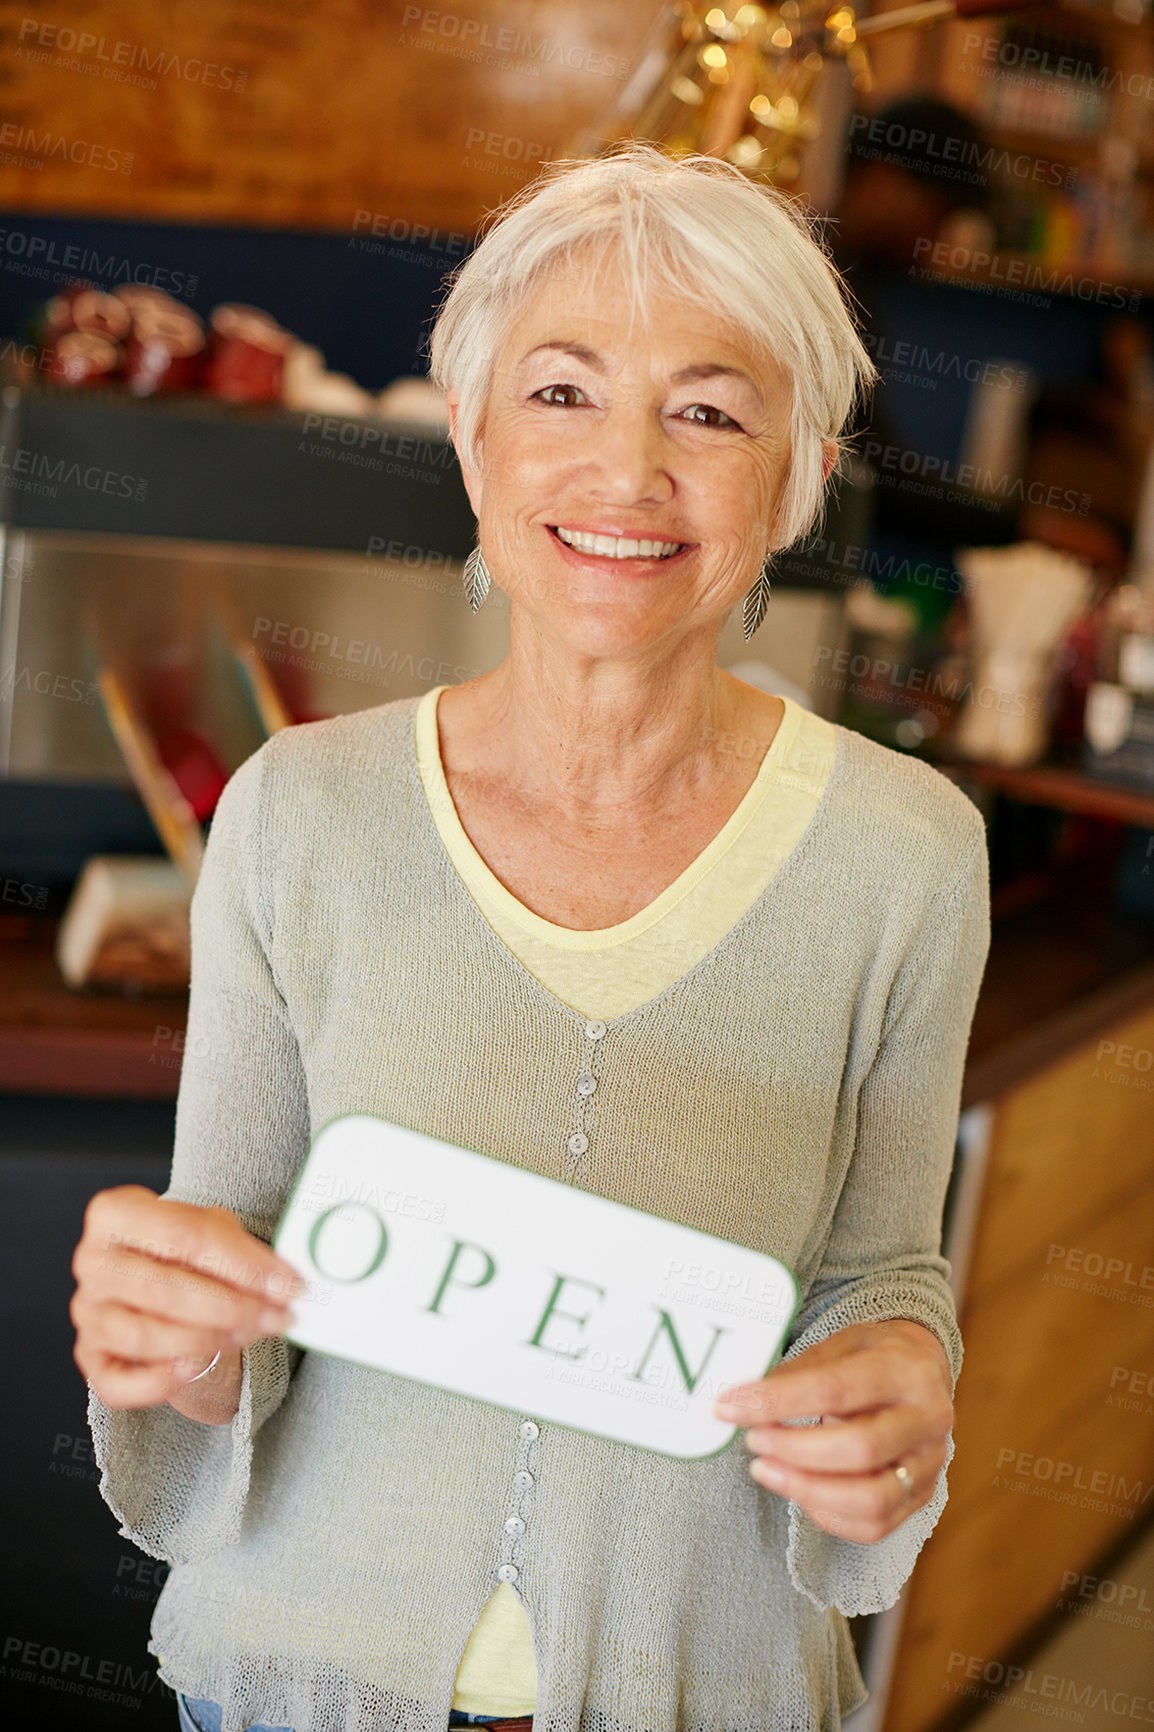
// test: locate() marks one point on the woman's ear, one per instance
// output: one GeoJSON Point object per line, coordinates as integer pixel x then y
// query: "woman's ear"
{"type": "Point", "coordinates": [828, 458]}
{"type": "Point", "coordinates": [468, 476]}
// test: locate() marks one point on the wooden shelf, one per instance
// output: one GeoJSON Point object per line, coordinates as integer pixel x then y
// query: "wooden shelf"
{"type": "Point", "coordinates": [1121, 278]}
{"type": "Point", "coordinates": [57, 1042]}
{"type": "Point", "coordinates": [1063, 790]}
{"type": "Point", "coordinates": [1061, 969]}
{"type": "Point", "coordinates": [1093, 18]}
{"type": "Point", "coordinates": [1081, 149]}
{"type": "Point", "coordinates": [1055, 979]}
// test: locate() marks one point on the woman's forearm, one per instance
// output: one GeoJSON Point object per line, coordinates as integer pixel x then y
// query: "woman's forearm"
{"type": "Point", "coordinates": [214, 1399]}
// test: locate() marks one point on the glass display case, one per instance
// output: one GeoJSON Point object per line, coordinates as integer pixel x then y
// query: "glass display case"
{"type": "Point", "coordinates": [235, 570]}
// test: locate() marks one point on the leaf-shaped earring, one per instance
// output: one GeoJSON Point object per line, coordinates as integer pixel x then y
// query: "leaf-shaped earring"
{"type": "Point", "coordinates": [756, 603]}
{"type": "Point", "coordinates": [476, 578]}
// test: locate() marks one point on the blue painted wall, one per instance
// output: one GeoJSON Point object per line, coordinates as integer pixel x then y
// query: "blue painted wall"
{"type": "Point", "coordinates": [365, 303]}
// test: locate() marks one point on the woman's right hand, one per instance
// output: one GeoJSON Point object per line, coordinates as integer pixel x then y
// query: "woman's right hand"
{"type": "Point", "coordinates": [163, 1286]}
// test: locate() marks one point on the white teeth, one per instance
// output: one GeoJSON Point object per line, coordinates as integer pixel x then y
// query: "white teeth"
{"type": "Point", "coordinates": [617, 547]}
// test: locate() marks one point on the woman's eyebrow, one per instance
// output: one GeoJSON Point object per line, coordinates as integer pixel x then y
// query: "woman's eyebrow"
{"type": "Point", "coordinates": [578, 351]}
{"type": "Point", "coordinates": [715, 370]}
{"type": "Point", "coordinates": [686, 375]}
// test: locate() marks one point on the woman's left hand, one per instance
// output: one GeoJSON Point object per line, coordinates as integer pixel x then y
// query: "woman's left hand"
{"type": "Point", "coordinates": [882, 1394]}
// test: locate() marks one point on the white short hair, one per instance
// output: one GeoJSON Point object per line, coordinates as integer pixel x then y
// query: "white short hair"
{"type": "Point", "coordinates": [695, 225]}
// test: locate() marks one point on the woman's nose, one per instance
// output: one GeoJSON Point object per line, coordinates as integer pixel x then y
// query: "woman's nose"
{"type": "Point", "coordinates": [630, 458]}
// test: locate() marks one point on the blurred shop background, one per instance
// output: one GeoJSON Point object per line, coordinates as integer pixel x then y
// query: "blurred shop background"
{"type": "Point", "coordinates": [227, 506]}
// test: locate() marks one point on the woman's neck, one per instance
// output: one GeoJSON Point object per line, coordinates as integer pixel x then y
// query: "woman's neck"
{"type": "Point", "coordinates": [595, 744]}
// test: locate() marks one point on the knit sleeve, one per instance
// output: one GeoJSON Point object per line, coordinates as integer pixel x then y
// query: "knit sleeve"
{"type": "Point", "coordinates": [883, 1257]}
{"type": "Point", "coordinates": [242, 1126]}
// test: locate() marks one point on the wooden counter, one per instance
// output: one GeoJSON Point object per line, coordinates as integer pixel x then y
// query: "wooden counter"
{"type": "Point", "coordinates": [1052, 1477]}
{"type": "Point", "coordinates": [1061, 970]}
{"type": "Point", "coordinates": [1054, 1415]}
{"type": "Point", "coordinates": [57, 1042]}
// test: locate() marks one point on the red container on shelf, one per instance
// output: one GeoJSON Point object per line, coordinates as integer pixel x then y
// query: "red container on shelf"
{"type": "Point", "coordinates": [195, 768]}
{"type": "Point", "coordinates": [246, 355]}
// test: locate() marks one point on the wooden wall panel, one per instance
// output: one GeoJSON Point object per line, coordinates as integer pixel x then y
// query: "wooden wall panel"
{"type": "Point", "coordinates": [1011, 1555]}
{"type": "Point", "coordinates": [294, 114]}
{"type": "Point", "coordinates": [1030, 1337]}
{"type": "Point", "coordinates": [1086, 1126]}
{"type": "Point", "coordinates": [1055, 1452]}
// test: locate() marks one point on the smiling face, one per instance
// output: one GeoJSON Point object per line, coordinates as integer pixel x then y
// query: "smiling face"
{"type": "Point", "coordinates": [629, 478]}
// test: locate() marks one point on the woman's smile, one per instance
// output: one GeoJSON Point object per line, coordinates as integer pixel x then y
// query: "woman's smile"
{"type": "Point", "coordinates": [598, 548]}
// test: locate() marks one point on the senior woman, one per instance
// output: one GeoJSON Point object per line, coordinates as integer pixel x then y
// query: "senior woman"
{"type": "Point", "coordinates": [611, 914]}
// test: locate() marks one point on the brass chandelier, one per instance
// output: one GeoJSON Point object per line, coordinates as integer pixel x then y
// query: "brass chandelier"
{"type": "Point", "coordinates": [740, 81]}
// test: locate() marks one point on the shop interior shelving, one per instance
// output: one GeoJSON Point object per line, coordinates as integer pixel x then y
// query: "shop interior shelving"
{"type": "Point", "coordinates": [1061, 789]}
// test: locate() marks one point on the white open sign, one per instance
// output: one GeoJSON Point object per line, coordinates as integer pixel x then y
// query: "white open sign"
{"type": "Point", "coordinates": [466, 1272]}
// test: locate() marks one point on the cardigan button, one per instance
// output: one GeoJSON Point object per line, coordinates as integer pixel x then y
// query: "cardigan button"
{"type": "Point", "coordinates": [523, 1480]}
{"type": "Point", "coordinates": [508, 1572]}
{"type": "Point", "coordinates": [586, 1084]}
{"type": "Point", "coordinates": [514, 1525]}
{"type": "Point", "coordinates": [594, 1030]}
{"type": "Point", "coordinates": [528, 1429]}
{"type": "Point", "coordinates": [578, 1143]}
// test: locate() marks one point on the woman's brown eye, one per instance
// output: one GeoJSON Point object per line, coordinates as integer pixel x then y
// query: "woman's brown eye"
{"type": "Point", "coordinates": [544, 393]}
{"type": "Point", "coordinates": [710, 409]}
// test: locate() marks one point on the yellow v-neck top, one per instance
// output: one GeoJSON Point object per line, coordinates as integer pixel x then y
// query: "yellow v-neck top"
{"type": "Point", "coordinates": [603, 973]}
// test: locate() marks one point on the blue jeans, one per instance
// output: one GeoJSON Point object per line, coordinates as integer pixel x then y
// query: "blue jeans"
{"type": "Point", "coordinates": [205, 1717]}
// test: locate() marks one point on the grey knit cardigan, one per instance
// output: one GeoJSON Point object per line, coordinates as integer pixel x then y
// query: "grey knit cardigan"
{"type": "Point", "coordinates": [795, 1090]}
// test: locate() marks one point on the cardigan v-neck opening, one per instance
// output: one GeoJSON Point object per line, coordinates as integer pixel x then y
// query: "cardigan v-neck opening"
{"type": "Point", "coordinates": [603, 937]}
{"type": "Point", "coordinates": [749, 803]}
